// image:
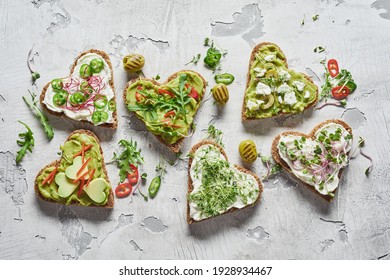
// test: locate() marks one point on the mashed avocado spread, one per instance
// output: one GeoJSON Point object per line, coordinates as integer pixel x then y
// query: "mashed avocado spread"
{"type": "Point", "coordinates": [72, 147]}
{"type": "Point", "coordinates": [273, 88]}
{"type": "Point", "coordinates": [168, 109]}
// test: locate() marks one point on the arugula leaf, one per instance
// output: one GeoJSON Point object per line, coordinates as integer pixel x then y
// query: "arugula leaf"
{"type": "Point", "coordinates": [38, 113]}
{"type": "Point", "coordinates": [26, 142]}
{"type": "Point", "coordinates": [130, 155]}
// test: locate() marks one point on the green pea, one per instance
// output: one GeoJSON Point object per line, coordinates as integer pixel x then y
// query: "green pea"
{"type": "Point", "coordinates": [59, 99]}
{"type": "Point", "coordinates": [85, 71]}
{"type": "Point", "coordinates": [225, 78]}
{"type": "Point", "coordinates": [154, 186]}
{"type": "Point", "coordinates": [77, 98]}
{"type": "Point", "coordinates": [112, 105]}
{"type": "Point", "coordinates": [101, 102]}
{"type": "Point", "coordinates": [57, 84]}
{"type": "Point", "coordinates": [97, 65]}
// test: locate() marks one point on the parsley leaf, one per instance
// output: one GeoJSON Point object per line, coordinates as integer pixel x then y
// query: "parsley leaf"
{"type": "Point", "coordinates": [194, 60]}
{"type": "Point", "coordinates": [26, 142]}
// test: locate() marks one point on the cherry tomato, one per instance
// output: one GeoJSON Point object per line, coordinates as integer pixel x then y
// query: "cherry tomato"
{"type": "Point", "coordinates": [193, 92]}
{"type": "Point", "coordinates": [164, 91]}
{"type": "Point", "coordinates": [333, 67]}
{"type": "Point", "coordinates": [123, 190]}
{"type": "Point", "coordinates": [340, 92]}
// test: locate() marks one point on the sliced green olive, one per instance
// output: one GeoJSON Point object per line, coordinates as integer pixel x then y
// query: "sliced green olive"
{"type": "Point", "coordinates": [57, 84]}
{"type": "Point", "coordinates": [77, 98]}
{"type": "Point", "coordinates": [220, 93]}
{"type": "Point", "coordinates": [248, 151]}
{"type": "Point", "coordinates": [59, 99]}
{"type": "Point", "coordinates": [97, 65]}
{"type": "Point", "coordinates": [268, 102]}
{"type": "Point", "coordinates": [133, 62]}
{"type": "Point", "coordinates": [101, 102]}
{"type": "Point", "coordinates": [272, 74]}
{"type": "Point", "coordinates": [85, 71]}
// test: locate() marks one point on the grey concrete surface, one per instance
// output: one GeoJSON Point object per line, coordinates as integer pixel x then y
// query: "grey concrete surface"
{"type": "Point", "coordinates": [290, 222]}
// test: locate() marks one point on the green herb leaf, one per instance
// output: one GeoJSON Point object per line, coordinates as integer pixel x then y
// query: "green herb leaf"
{"type": "Point", "coordinates": [144, 176]}
{"type": "Point", "coordinates": [319, 49]}
{"type": "Point", "coordinates": [214, 134]}
{"type": "Point", "coordinates": [38, 113]}
{"type": "Point", "coordinates": [360, 142]}
{"type": "Point", "coordinates": [315, 17]}
{"type": "Point", "coordinates": [194, 60]}
{"type": "Point", "coordinates": [26, 142]}
{"type": "Point", "coordinates": [206, 42]}
{"type": "Point", "coordinates": [129, 155]}
{"type": "Point", "coordinates": [157, 77]}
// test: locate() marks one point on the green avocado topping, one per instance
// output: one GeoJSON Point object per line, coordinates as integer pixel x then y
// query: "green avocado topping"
{"type": "Point", "coordinates": [273, 88]}
{"type": "Point", "coordinates": [167, 110]}
{"type": "Point", "coordinates": [70, 148]}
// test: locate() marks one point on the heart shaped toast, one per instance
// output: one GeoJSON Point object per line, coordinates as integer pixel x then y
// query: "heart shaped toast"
{"type": "Point", "coordinates": [167, 109]}
{"type": "Point", "coordinates": [272, 89]}
{"type": "Point", "coordinates": [87, 94]}
{"type": "Point", "coordinates": [215, 186]}
{"type": "Point", "coordinates": [79, 177]}
{"type": "Point", "coordinates": [317, 159]}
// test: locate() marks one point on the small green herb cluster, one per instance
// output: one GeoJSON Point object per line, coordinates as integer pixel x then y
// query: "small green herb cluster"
{"type": "Point", "coordinates": [214, 134]}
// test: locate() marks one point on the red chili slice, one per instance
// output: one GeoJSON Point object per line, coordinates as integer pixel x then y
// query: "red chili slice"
{"type": "Point", "coordinates": [133, 177]}
{"type": "Point", "coordinates": [123, 190]}
{"type": "Point", "coordinates": [333, 67]}
{"type": "Point", "coordinates": [164, 91]}
{"type": "Point", "coordinates": [170, 113]}
{"type": "Point", "coordinates": [340, 92]}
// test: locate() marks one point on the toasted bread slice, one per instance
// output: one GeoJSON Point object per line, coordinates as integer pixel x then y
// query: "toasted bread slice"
{"type": "Point", "coordinates": [311, 135]}
{"type": "Point", "coordinates": [175, 147]}
{"type": "Point", "coordinates": [110, 202]}
{"type": "Point", "coordinates": [191, 187]}
{"type": "Point", "coordinates": [251, 61]}
{"type": "Point", "coordinates": [111, 84]}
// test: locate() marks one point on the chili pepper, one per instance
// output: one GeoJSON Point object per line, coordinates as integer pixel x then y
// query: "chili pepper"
{"type": "Point", "coordinates": [170, 113]}
{"type": "Point", "coordinates": [333, 67]}
{"type": "Point", "coordinates": [225, 78]}
{"type": "Point", "coordinates": [154, 186]}
{"type": "Point", "coordinates": [340, 92]}
{"type": "Point", "coordinates": [212, 58]}
{"type": "Point", "coordinates": [164, 91]}
{"type": "Point", "coordinates": [123, 190]}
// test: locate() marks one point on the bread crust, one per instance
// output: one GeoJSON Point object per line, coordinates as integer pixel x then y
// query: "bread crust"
{"type": "Point", "coordinates": [105, 56]}
{"type": "Point", "coordinates": [251, 60]}
{"type": "Point", "coordinates": [110, 202]}
{"type": "Point", "coordinates": [190, 184]}
{"type": "Point", "coordinates": [311, 135]}
{"type": "Point", "coordinates": [175, 147]}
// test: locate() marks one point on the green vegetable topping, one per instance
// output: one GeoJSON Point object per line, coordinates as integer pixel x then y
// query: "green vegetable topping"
{"type": "Point", "coordinates": [100, 102]}
{"type": "Point", "coordinates": [97, 65]}
{"type": "Point", "coordinates": [38, 113]}
{"type": "Point", "coordinates": [85, 71]}
{"type": "Point", "coordinates": [99, 116]}
{"type": "Point", "coordinates": [129, 155]}
{"type": "Point", "coordinates": [57, 84]}
{"type": "Point", "coordinates": [77, 98]}
{"type": "Point", "coordinates": [111, 105]}
{"type": "Point", "coordinates": [225, 78]}
{"type": "Point", "coordinates": [154, 186]}
{"type": "Point", "coordinates": [26, 142]}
